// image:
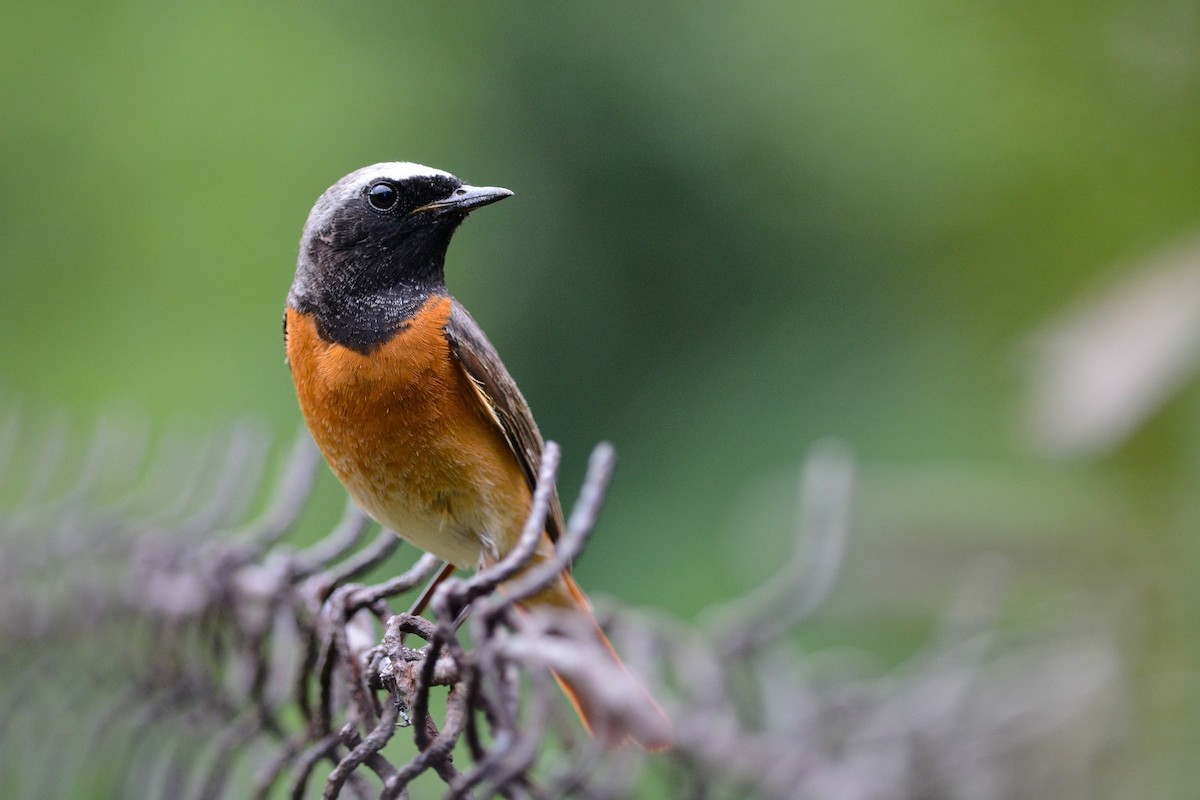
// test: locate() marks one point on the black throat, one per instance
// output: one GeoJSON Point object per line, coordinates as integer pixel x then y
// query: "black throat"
{"type": "Point", "coordinates": [365, 323]}
{"type": "Point", "coordinates": [363, 294]}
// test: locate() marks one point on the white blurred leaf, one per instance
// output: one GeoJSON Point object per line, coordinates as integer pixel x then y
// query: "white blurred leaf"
{"type": "Point", "coordinates": [1104, 366]}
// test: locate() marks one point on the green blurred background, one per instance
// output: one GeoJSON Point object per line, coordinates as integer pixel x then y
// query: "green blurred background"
{"type": "Point", "coordinates": [738, 228]}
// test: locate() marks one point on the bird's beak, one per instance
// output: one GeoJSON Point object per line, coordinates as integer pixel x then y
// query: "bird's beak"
{"type": "Point", "coordinates": [466, 198]}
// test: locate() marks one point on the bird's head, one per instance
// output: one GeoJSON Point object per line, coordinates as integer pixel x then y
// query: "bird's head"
{"type": "Point", "coordinates": [378, 237]}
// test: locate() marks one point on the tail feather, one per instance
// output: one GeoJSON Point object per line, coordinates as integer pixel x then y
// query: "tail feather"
{"type": "Point", "coordinates": [612, 709]}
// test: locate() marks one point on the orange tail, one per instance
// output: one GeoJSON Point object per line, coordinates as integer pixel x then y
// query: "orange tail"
{"type": "Point", "coordinates": [612, 709]}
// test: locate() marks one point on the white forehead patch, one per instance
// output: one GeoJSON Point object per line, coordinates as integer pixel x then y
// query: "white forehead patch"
{"type": "Point", "coordinates": [396, 170]}
{"type": "Point", "coordinates": [350, 186]}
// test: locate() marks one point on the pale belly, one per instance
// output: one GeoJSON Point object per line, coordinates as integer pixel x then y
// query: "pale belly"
{"type": "Point", "coordinates": [461, 525]}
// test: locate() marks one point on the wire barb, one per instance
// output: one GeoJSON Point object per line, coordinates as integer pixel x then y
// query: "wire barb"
{"type": "Point", "coordinates": [218, 661]}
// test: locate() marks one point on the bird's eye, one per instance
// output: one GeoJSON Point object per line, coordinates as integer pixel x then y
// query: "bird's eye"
{"type": "Point", "coordinates": [383, 196]}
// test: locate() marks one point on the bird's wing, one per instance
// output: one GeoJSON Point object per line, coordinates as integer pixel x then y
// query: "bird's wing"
{"type": "Point", "coordinates": [499, 394]}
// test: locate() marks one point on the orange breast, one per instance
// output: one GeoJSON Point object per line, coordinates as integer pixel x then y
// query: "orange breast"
{"type": "Point", "coordinates": [405, 433]}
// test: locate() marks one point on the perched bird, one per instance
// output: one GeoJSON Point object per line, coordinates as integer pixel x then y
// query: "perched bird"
{"type": "Point", "coordinates": [406, 397]}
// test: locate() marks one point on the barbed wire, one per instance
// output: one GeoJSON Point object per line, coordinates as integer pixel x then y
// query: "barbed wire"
{"type": "Point", "coordinates": [161, 641]}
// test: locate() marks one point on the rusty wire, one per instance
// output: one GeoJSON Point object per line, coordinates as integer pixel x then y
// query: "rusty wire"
{"type": "Point", "coordinates": [158, 645]}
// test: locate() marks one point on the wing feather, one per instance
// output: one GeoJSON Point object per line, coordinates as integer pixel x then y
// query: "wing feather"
{"type": "Point", "coordinates": [499, 395]}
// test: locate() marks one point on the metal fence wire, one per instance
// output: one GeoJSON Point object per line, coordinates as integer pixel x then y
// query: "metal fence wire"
{"type": "Point", "coordinates": [154, 646]}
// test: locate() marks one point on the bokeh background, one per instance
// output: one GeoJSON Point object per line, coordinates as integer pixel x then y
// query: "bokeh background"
{"type": "Point", "coordinates": [738, 229]}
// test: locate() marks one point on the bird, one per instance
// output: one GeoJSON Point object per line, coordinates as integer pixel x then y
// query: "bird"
{"type": "Point", "coordinates": [409, 401]}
